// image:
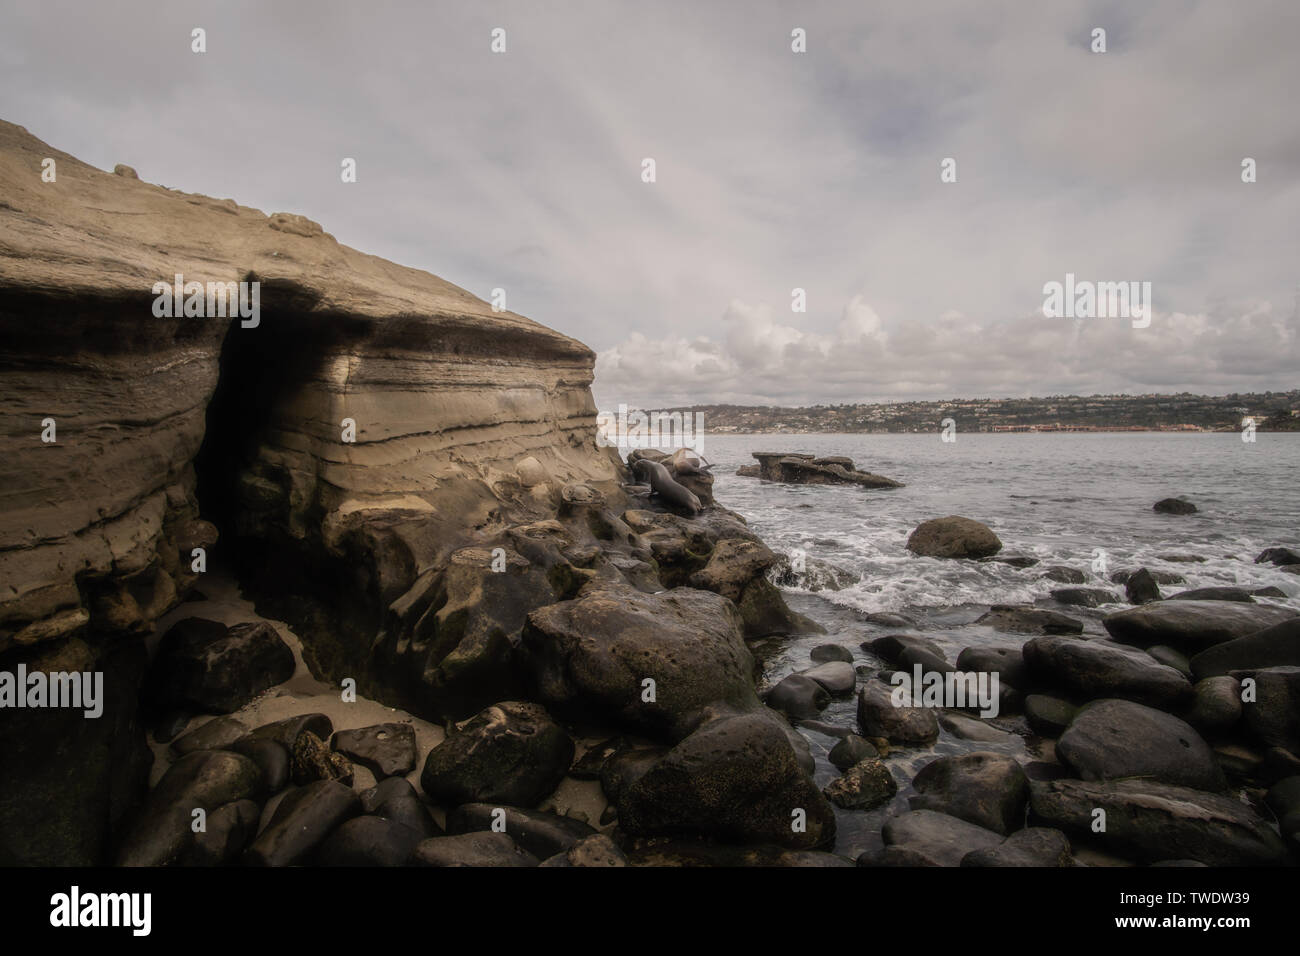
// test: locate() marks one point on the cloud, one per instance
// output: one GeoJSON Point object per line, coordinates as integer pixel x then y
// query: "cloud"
{"type": "Point", "coordinates": [775, 171]}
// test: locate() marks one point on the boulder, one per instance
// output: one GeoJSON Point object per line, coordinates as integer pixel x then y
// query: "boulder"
{"type": "Point", "coordinates": [596, 850]}
{"type": "Point", "coordinates": [1092, 669]}
{"type": "Point", "coordinates": [210, 668]}
{"type": "Point", "coordinates": [798, 697]}
{"type": "Point", "coordinates": [229, 829]}
{"type": "Point", "coordinates": [826, 653]}
{"type": "Point", "coordinates": [904, 726]}
{"type": "Point", "coordinates": [471, 849]}
{"type": "Point", "coordinates": [953, 537]}
{"type": "Point", "coordinates": [395, 799]}
{"type": "Point", "coordinates": [302, 820]}
{"type": "Point", "coordinates": [863, 786]}
{"type": "Point", "coordinates": [1048, 716]}
{"type": "Point", "coordinates": [972, 728]}
{"type": "Point", "coordinates": [591, 656]}
{"type": "Point", "coordinates": [849, 750]}
{"type": "Point", "coordinates": [1005, 660]}
{"type": "Point", "coordinates": [270, 756]}
{"type": "Point", "coordinates": [929, 838]}
{"type": "Point", "coordinates": [1276, 646]}
{"type": "Point", "coordinates": [217, 734]}
{"type": "Point", "coordinates": [837, 677]}
{"type": "Point", "coordinates": [1174, 506]}
{"type": "Point", "coordinates": [368, 841]}
{"type": "Point", "coordinates": [285, 732]}
{"type": "Point", "coordinates": [510, 753]}
{"type": "Point", "coordinates": [735, 778]}
{"type": "Point", "coordinates": [206, 779]}
{"type": "Point", "coordinates": [1217, 704]}
{"type": "Point", "coordinates": [1171, 657]}
{"type": "Point", "coordinates": [890, 647]}
{"type": "Point", "coordinates": [987, 789]}
{"type": "Point", "coordinates": [1274, 715]}
{"type": "Point", "coordinates": [1192, 626]}
{"type": "Point", "coordinates": [1031, 847]}
{"type": "Point", "coordinates": [1141, 587]}
{"type": "Point", "coordinates": [1282, 557]}
{"type": "Point", "coordinates": [541, 834]}
{"type": "Point", "coordinates": [1110, 739]}
{"type": "Point", "coordinates": [1150, 821]}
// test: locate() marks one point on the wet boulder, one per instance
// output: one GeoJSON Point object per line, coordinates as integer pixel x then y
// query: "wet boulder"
{"type": "Point", "coordinates": [953, 537]}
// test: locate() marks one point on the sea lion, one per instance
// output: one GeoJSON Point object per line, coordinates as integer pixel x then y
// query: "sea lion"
{"type": "Point", "coordinates": [687, 461]}
{"type": "Point", "coordinates": [663, 484]}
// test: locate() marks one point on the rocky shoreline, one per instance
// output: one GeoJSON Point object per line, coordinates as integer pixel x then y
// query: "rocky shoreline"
{"type": "Point", "coordinates": [457, 631]}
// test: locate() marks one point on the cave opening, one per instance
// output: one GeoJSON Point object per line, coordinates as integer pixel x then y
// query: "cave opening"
{"type": "Point", "coordinates": [262, 374]}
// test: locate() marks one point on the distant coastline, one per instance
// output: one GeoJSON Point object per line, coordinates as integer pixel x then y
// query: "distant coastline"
{"type": "Point", "coordinates": [1268, 411]}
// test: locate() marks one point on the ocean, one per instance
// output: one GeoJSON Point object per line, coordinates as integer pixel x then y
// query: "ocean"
{"type": "Point", "coordinates": [1061, 498]}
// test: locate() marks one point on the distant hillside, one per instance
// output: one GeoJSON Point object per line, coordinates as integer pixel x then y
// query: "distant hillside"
{"type": "Point", "coordinates": [1272, 411]}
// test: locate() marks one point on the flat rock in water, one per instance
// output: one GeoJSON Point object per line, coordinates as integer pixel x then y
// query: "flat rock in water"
{"type": "Point", "coordinates": [1214, 594]}
{"type": "Point", "coordinates": [510, 753]}
{"type": "Point", "coordinates": [1110, 739]}
{"type": "Point", "coordinates": [386, 749]}
{"type": "Point", "coordinates": [987, 789]}
{"type": "Point", "coordinates": [1085, 597]}
{"type": "Point", "coordinates": [541, 834]}
{"type": "Point", "coordinates": [824, 653]}
{"type": "Point", "coordinates": [927, 838]}
{"type": "Point", "coordinates": [1094, 669]}
{"type": "Point", "coordinates": [471, 849]}
{"type": "Point", "coordinates": [904, 726]}
{"type": "Point", "coordinates": [1150, 821]}
{"type": "Point", "coordinates": [1192, 626]}
{"type": "Point", "coordinates": [1029, 620]}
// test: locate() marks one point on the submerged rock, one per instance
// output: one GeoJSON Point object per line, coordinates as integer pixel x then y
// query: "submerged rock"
{"type": "Point", "coordinates": [1174, 506]}
{"type": "Point", "coordinates": [865, 785]}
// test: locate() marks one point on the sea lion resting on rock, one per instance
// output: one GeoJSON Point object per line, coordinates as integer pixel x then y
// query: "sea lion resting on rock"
{"type": "Point", "coordinates": [687, 461]}
{"type": "Point", "coordinates": [663, 484]}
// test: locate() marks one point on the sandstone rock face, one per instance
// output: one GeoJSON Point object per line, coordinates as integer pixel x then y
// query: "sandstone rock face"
{"type": "Point", "coordinates": [459, 412]}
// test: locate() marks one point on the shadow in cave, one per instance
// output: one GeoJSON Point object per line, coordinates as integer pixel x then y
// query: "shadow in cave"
{"type": "Point", "coordinates": [261, 370]}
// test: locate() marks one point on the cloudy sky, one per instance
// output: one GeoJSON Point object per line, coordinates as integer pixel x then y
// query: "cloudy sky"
{"type": "Point", "coordinates": [775, 170]}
